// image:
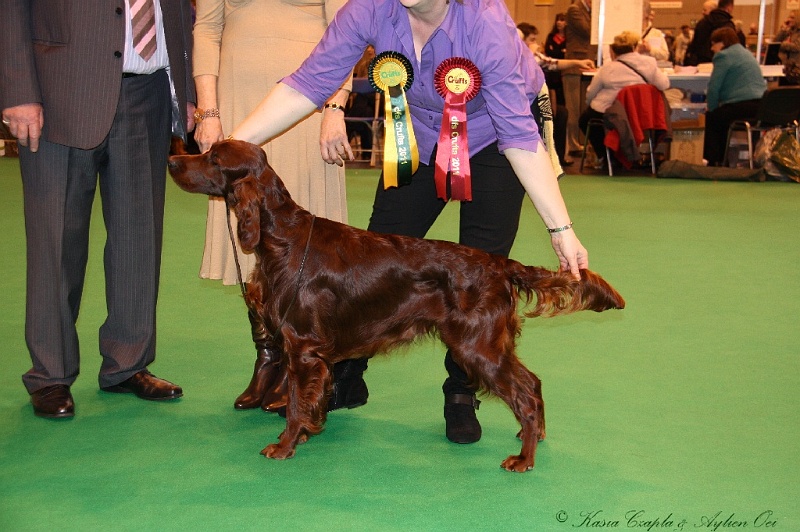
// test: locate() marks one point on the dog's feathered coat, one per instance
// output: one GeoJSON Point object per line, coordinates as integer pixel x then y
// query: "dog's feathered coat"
{"type": "Point", "coordinates": [362, 293]}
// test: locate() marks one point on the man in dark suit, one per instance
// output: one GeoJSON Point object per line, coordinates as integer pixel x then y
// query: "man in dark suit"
{"type": "Point", "coordinates": [88, 96]}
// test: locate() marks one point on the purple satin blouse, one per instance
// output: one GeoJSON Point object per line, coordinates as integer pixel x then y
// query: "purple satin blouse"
{"type": "Point", "coordinates": [480, 30]}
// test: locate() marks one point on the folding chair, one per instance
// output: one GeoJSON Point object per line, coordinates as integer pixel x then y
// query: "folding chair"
{"type": "Point", "coordinates": [780, 107]}
{"type": "Point", "coordinates": [646, 116]}
{"type": "Point", "coordinates": [595, 122]}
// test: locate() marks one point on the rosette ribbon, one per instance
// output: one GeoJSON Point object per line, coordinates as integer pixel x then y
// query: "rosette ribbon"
{"type": "Point", "coordinates": [392, 74]}
{"type": "Point", "coordinates": [457, 80]}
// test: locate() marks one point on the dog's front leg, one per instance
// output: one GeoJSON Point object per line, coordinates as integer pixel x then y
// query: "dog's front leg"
{"type": "Point", "coordinates": [308, 379]}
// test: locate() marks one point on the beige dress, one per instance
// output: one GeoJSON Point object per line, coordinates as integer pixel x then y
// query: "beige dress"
{"type": "Point", "coordinates": [250, 45]}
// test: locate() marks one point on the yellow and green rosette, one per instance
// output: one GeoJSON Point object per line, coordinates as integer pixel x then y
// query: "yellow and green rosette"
{"type": "Point", "coordinates": [392, 74]}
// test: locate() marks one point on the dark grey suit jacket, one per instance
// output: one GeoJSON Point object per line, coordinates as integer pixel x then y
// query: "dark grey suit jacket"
{"type": "Point", "coordinates": [67, 55]}
{"type": "Point", "coordinates": [578, 31]}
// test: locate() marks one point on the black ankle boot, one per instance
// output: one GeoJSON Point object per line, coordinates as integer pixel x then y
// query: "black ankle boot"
{"type": "Point", "coordinates": [349, 389]}
{"type": "Point", "coordinates": [461, 423]}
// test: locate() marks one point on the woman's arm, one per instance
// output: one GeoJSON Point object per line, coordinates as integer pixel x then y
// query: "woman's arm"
{"type": "Point", "coordinates": [595, 85]}
{"type": "Point", "coordinates": [282, 108]}
{"type": "Point", "coordinates": [209, 130]}
{"type": "Point", "coordinates": [333, 141]}
{"type": "Point", "coordinates": [715, 84]}
{"type": "Point", "coordinates": [208, 28]}
{"type": "Point", "coordinates": [660, 80]}
{"type": "Point", "coordinates": [536, 175]}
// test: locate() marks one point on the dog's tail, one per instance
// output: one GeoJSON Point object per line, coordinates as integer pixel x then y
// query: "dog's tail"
{"type": "Point", "coordinates": [559, 293]}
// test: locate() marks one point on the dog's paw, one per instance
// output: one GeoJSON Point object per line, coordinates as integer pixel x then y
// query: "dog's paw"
{"type": "Point", "coordinates": [517, 464]}
{"type": "Point", "coordinates": [277, 452]}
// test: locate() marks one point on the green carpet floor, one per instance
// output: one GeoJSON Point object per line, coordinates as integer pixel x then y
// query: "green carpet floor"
{"type": "Point", "coordinates": [678, 413]}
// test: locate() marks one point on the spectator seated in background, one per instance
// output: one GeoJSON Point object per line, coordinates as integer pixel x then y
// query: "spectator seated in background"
{"type": "Point", "coordinates": [734, 91]}
{"type": "Point", "coordinates": [627, 67]}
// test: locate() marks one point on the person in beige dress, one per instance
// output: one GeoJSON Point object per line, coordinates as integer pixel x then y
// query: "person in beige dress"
{"type": "Point", "coordinates": [241, 49]}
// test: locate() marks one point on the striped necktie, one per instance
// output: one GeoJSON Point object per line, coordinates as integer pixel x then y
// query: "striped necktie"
{"type": "Point", "coordinates": [143, 20]}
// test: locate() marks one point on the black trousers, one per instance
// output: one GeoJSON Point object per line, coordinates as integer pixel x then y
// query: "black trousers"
{"type": "Point", "coordinates": [717, 123]}
{"type": "Point", "coordinates": [489, 222]}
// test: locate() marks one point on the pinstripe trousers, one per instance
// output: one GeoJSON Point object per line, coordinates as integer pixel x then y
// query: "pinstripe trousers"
{"type": "Point", "coordinates": [59, 184]}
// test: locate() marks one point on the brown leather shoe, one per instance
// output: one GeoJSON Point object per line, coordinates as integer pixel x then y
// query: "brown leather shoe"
{"type": "Point", "coordinates": [275, 397]}
{"type": "Point", "coordinates": [53, 402]}
{"type": "Point", "coordinates": [147, 386]}
{"type": "Point", "coordinates": [264, 375]}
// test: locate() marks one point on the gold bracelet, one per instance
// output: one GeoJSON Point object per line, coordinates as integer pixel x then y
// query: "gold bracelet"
{"type": "Point", "coordinates": [559, 229]}
{"type": "Point", "coordinates": [334, 106]}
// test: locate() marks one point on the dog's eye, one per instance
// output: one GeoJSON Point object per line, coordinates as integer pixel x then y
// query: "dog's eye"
{"type": "Point", "coordinates": [213, 158]}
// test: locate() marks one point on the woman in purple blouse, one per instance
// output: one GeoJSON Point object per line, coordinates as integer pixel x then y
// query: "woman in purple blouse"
{"type": "Point", "coordinates": [506, 154]}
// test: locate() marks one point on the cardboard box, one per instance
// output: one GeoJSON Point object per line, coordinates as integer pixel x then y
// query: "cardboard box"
{"type": "Point", "coordinates": [687, 145]}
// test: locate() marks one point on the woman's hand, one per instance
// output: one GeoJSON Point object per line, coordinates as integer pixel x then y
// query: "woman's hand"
{"type": "Point", "coordinates": [537, 177]}
{"type": "Point", "coordinates": [571, 254]}
{"type": "Point", "coordinates": [207, 132]}
{"type": "Point", "coordinates": [333, 143]}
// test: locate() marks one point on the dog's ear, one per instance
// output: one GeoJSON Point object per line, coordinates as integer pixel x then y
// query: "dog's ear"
{"type": "Point", "coordinates": [177, 146]}
{"type": "Point", "coordinates": [237, 159]}
{"type": "Point", "coordinates": [248, 211]}
{"type": "Point", "coordinates": [275, 193]}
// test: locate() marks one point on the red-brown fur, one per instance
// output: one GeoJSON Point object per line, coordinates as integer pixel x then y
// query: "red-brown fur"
{"type": "Point", "coordinates": [363, 293]}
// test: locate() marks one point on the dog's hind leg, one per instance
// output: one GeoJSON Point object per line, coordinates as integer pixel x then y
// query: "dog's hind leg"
{"type": "Point", "coordinates": [523, 394]}
{"type": "Point", "coordinates": [528, 406]}
{"type": "Point", "coordinates": [308, 378]}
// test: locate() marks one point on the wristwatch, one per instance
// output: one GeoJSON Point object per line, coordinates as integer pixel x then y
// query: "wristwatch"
{"type": "Point", "coordinates": [202, 114]}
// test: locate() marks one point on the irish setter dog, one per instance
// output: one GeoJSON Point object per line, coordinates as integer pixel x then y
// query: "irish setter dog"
{"type": "Point", "coordinates": [330, 292]}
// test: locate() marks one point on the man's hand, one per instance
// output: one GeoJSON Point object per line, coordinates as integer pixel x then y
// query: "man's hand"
{"type": "Point", "coordinates": [25, 122]}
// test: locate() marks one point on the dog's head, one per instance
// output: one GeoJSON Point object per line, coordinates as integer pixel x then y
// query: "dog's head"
{"type": "Point", "coordinates": [217, 171]}
{"type": "Point", "coordinates": [237, 171]}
